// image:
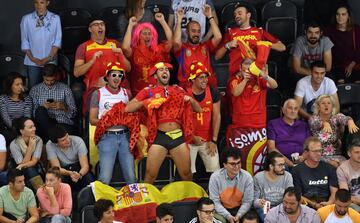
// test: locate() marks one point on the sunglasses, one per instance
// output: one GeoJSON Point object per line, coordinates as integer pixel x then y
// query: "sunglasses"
{"type": "Point", "coordinates": [121, 75]}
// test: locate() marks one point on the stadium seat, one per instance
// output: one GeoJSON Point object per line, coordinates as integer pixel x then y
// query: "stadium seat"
{"type": "Point", "coordinates": [165, 175]}
{"type": "Point", "coordinates": [11, 63]}
{"type": "Point", "coordinates": [280, 19]}
{"type": "Point", "coordinates": [273, 70]}
{"type": "Point", "coordinates": [349, 98]}
{"type": "Point", "coordinates": [273, 104]}
{"type": "Point", "coordinates": [227, 14]}
{"type": "Point", "coordinates": [184, 211]}
{"type": "Point", "coordinates": [165, 9]}
{"type": "Point", "coordinates": [111, 16]}
{"type": "Point", "coordinates": [117, 179]}
{"type": "Point", "coordinates": [300, 4]}
{"type": "Point", "coordinates": [75, 24]}
{"type": "Point", "coordinates": [85, 198]}
{"type": "Point", "coordinates": [222, 74]}
{"type": "Point", "coordinates": [87, 214]}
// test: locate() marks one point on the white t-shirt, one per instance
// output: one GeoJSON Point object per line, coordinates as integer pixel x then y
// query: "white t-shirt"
{"type": "Point", "coordinates": [2, 143]}
{"type": "Point", "coordinates": [309, 95]}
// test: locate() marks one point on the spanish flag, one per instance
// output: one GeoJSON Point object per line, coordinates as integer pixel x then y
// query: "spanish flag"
{"type": "Point", "coordinates": [136, 203]}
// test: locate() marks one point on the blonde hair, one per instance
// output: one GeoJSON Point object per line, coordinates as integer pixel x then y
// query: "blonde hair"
{"type": "Point", "coordinates": [317, 104]}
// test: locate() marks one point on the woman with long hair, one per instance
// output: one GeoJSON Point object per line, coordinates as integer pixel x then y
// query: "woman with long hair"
{"type": "Point", "coordinates": [26, 151]}
{"type": "Point", "coordinates": [14, 104]}
{"type": "Point", "coordinates": [346, 51]}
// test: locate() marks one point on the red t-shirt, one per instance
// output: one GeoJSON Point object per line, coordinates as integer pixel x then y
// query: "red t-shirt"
{"type": "Point", "coordinates": [250, 36]}
{"type": "Point", "coordinates": [249, 108]}
{"type": "Point", "coordinates": [189, 53]}
{"type": "Point", "coordinates": [142, 59]}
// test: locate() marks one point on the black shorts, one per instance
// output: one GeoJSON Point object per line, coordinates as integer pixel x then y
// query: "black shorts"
{"type": "Point", "coordinates": [166, 141]}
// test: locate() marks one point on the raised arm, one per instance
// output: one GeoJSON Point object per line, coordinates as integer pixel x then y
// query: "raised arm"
{"type": "Point", "coordinates": [126, 45]}
{"type": "Point", "coordinates": [214, 28]}
{"type": "Point", "coordinates": [168, 32]}
{"type": "Point", "coordinates": [177, 33]}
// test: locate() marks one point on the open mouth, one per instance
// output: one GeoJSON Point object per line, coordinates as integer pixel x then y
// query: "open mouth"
{"type": "Point", "coordinates": [100, 32]}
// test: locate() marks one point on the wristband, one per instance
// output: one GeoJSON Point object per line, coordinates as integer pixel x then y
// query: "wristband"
{"type": "Point", "coordinates": [227, 46]}
{"type": "Point", "coordinates": [266, 78]}
{"type": "Point", "coordinates": [214, 141]}
{"type": "Point", "coordinates": [212, 17]}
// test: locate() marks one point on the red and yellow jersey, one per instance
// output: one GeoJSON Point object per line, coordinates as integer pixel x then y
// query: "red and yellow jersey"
{"type": "Point", "coordinates": [249, 108]}
{"type": "Point", "coordinates": [142, 59]}
{"type": "Point", "coordinates": [189, 53]}
{"type": "Point", "coordinates": [249, 36]}
{"type": "Point", "coordinates": [202, 120]}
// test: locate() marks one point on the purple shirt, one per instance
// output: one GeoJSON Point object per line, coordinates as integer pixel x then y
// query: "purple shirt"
{"type": "Point", "coordinates": [288, 138]}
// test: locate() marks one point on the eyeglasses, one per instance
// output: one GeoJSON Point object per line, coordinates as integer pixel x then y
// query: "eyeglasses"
{"type": "Point", "coordinates": [233, 164]}
{"type": "Point", "coordinates": [97, 24]}
{"type": "Point", "coordinates": [121, 75]}
{"type": "Point", "coordinates": [208, 211]}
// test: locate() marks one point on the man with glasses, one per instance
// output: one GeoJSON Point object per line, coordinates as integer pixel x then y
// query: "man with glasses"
{"type": "Point", "coordinates": [231, 188]}
{"type": "Point", "coordinates": [205, 209]}
{"type": "Point", "coordinates": [291, 210]}
{"type": "Point", "coordinates": [115, 141]}
{"type": "Point", "coordinates": [92, 57]}
{"type": "Point", "coordinates": [315, 178]}
{"type": "Point", "coordinates": [270, 184]}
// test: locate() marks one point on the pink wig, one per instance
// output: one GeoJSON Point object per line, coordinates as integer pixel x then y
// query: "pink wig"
{"type": "Point", "coordinates": [136, 35]}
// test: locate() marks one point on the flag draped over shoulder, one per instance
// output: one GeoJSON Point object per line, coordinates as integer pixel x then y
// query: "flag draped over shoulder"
{"type": "Point", "coordinates": [136, 203]}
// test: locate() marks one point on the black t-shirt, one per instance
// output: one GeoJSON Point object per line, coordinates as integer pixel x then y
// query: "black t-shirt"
{"type": "Point", "coordinates": [315, 183]}
{"type": "Point", "coordinates": [214, 95]}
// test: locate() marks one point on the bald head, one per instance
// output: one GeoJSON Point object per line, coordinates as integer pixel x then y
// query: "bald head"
{"type": "Point", "coordinates": [290, 109]}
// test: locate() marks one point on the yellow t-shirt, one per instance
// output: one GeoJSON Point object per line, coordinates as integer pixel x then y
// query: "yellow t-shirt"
{"type": "Point", "coordinates": [328, 215]}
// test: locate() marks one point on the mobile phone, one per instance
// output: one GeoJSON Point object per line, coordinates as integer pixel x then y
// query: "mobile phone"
{"type": "Point", "coordinates": [50, 100]}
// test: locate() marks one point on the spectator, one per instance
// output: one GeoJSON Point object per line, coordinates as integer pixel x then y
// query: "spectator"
{"type": "Point", "coordinates": [54, 103]}
{"type": "Point", "coordinates": [250, 35]}
{"type": "Point", "coordinates": [193, 49]}
{"type": "Point", "coordinates": [348, 174]}
{"type": "Point", "coordinates": [164, 213]}
{"type": "Point", "coordinates": [104, 211]}
{"type": "Point", "coordinates": [69, 153]}
{"type": "Point", "coordinates": [311, 87]}
{"type": "Point", "coordinates": [206, 123]}
{"type": "Point", "coordinates": [192, 12]}
{"type": "Point", "coordinates": [250, 217]}
{"type": "Point", "coordinates": [54, 198]}
{"type": "Point", "coordinates": [270, 184]}
{"type": "Point", "coordinates": [231, 188]}
{"type": "Point", "coordinates": [141, 46]}
{"type": "Point", "coordinates": [311, 47]}
{"type": "Point", "coordinates": [26, 151]}
{"type": "Point", "coordinates": [92, 57]}
{"type": "Point", "coordinates": [315, 178]}
{"type": "Point", "coordinates": [115, 142]}
{"type": "Point", "coordinates": [40, 40]}
{"type": "Point", "coordinates": [346, 36]}
{"type": "Point", "coordinates": [3, 153]}
{"type": "Point", "coordinates": [291, 210]}
{"type": "Point", "coordinates": [205, 209]}
{"type": "Point", "coordinates": [169, 107]}
{"type": "Point", "coordinates": [135, 8]}
{"type": "Point", "coordinates": [17, 202]}
{"type": "Point", "coordinates": [248, 96]}
{"type": "Point", "coordinates": [341, 210]}
{"type": "Point", "coordinates": [287, 134]}
{"type": "Point", "coordinates": [14, 104]}
{"type": "Point", "coordinates": [326, 125]}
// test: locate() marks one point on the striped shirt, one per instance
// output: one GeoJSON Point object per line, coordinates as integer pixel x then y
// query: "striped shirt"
{"type": "Point", "coordinates": [11, 110]}
{"type": "Point", "coordinates": [59, 92]}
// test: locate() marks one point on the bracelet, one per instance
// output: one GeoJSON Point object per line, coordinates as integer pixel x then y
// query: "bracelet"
{"type": "Point", "coordinates": [212, 17]}
{"type": "Point", "coordinates": [266, 78]}
{"type": "Point", "coordinates": [214, 141]}
{"type": "Point", "coordinates": [227, 46]}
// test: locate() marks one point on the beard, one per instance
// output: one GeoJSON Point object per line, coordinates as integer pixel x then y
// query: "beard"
{"type": "Point", "coordinates": [313, 40]}
{"type": "Point", "coordinates": [194, 41]}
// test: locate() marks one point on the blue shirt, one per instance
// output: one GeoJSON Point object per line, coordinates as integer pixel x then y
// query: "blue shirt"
{"type": "Point", "coordinates": [40, 40]}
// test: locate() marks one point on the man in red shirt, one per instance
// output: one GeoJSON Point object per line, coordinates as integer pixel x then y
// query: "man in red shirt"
{"type": "Point", "coordinates": [250, 35]}
{"type": "Point", "coordinates": [207, 122]}
{"type": "Point", "coordinates": [92, 57]}
{"type": "Point", "coordinates": [169, 122]}
{"type": "Point", "coordinates": [193, 49]}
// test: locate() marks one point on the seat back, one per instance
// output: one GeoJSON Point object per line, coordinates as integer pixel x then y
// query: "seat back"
{"type": "Point", "coordinates": [11, 63]}
{"type": "Point", "coordinates": [72, 17]}
{"type": "Point", "coordinates": [222, 74]}
{"type": "Point", "coordinates": [273, 104]}
{"type": "Point", "coordinates": [184, 211]}
{"type": "Point", "coordinates": [85, 197]}
{"type": "Point", "coordinates": [278, 8]}
{"type": "Point", "coordinates": [111, 16]}
{"type": "Point", "coordinates": [165, 175]}
{"type": "Point", "coordinates": [283, 28]}
{"type": "Point", "coordinates": [87, 214]}
{"type": "Point", "coordinates": [348, 94]}
{"type": "Point", "coordinates": [117, 179]}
